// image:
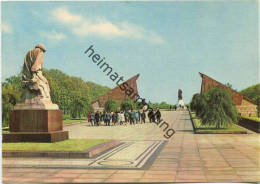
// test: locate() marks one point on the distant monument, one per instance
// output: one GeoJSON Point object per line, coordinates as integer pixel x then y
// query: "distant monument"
{"type": "Point", "coordinates": [180, 104]}
{"type": "Point", "coordinates": [36, 119]}
{"type": "Point", "coordinates": [179, 94]}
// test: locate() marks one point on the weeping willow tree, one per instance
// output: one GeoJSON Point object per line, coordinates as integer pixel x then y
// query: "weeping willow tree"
{"type": "Point", "coordinates": [198, 103]}
{"type": "Point", "coordinates": [110, 106]}
{"type": "Point", "coordinates": [127, 105]}
{"type": "Point", "coordinates": [219, 111]}
{"type": "Point", "coordinates": [80, 106]}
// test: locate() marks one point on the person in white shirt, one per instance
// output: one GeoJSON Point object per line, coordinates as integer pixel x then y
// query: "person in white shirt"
{"type": "Point", "coordinates": [122, 118]}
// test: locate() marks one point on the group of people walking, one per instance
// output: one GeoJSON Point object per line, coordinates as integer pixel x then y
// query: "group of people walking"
{"type": "Point", "coordinates": [123, 117]}
{"type": "Point", "coordinates": [154, 116]}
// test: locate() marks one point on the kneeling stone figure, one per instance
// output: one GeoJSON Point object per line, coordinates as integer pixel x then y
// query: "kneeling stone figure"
{"type": "Point", "coordinates": [36, 89]}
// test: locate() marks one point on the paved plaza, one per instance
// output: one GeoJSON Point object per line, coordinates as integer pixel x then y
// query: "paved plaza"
{"type": "Point", "coordinates": [146, 156]}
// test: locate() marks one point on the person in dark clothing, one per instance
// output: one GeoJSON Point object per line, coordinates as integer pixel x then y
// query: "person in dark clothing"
{"type": "Point", "coordinates": [114, 118]}
{"type": "Point", "coordinates": [117, 117]}
{"type": "Point", "coordinates": [101, 116]}
{"type": "Point", "coordinates": [157, 115]}
{"type": "Point", "coordinates": [97, 116]}
{"type": "Point", "coordinates": [150, 116]}
{"type": "Point", "coordinates": [153, 116]}
{"type": "Point", "coordinates": [143, 116]}
{"type": "Point", "coordinates": [108, 118]}
{"type": "Point", "coordinates": [132, 117]}
{"type": "Point", "coordinates": [126, 114]}
{"type": "Point", "coordinates": [105, 118]}
{"type": "Point", "coordinates": [139, 116]}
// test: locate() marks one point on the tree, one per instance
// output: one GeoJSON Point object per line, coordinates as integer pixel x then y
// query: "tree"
{"type": "Point", "coordinates": [228, 85]}
{"type": "Point", "coordinates": [80, 106]}
{"type": "Point", "coordinates": [71, 94]}
{"type": "Point", "coordinates": [127, 105]}
{"type": "Point", "coordinates": [219, 110]}
{"type": "Point", "coordinates": [110, 106]}
{"type": "Point", "coordinates": [10, 96]}
{"type": "Point", "coordinates": [14, 81]}
{"type": "Point", "coordinates": [138, 105]}
{"type": "Point", "coordinates": [162, 105]}
{"type": "Point", "coordinates": [198, 103]}
{"type": "Point", "coordinates": [253, 92]}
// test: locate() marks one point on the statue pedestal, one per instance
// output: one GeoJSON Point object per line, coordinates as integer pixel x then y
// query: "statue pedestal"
{"type": "Point", "coordinates": [181, 106]}
{"type": "Point", "coordinates": [35, 126]}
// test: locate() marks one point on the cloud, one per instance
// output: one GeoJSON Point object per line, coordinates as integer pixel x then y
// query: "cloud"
{"type": "Point", "coordinates": [6, 28]}
{"type": "Point", "coordinates": [54, 36]}
{"type": "Point", "coordinates": [82, 26]}
{"type": "Point", "coordinates": [63, 15]}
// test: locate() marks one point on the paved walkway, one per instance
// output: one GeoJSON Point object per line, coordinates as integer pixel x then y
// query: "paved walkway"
{"type": "Point", "coordinates": [186, 157]}
{"type": "Point", "coordinates": [147, 131]}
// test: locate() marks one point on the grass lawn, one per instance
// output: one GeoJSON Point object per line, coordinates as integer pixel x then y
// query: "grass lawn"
{"type": "Point", "coordinates": [207, 129]}
{"type": "Point", "coordinates": [256, 119]}
{"type": "Point", "coordinates": [5, 130]}
{"type": "Point", "coordinates": [70, 121]}
{"type": "Point", "coordinates": [67, 145]}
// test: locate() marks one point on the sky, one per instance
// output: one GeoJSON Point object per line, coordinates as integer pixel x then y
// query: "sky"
{"type": "Point", "coordinates": [167, 43]}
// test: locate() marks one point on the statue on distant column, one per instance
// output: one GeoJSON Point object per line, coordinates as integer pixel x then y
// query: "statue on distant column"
{"type": "Point", "coordinates": [180, 100]}
{"type": "Point", "coordinates": [36, 87]}
{"type": "Point", "coordinates": [179, 94]}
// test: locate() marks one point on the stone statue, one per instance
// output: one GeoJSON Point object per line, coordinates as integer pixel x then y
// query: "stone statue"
{"type": "Point", "coordinates": [36, 89]}
{"type": "Point", "coordinates": [179, 94]}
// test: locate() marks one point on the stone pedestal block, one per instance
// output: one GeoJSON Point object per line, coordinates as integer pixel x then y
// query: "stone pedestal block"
{"type": "Point", "coordinates": [35, 120]}
{"type": "Point", "coordinates": [36, 136]}
{"type": "Point", "coordinates": [35, 126]}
